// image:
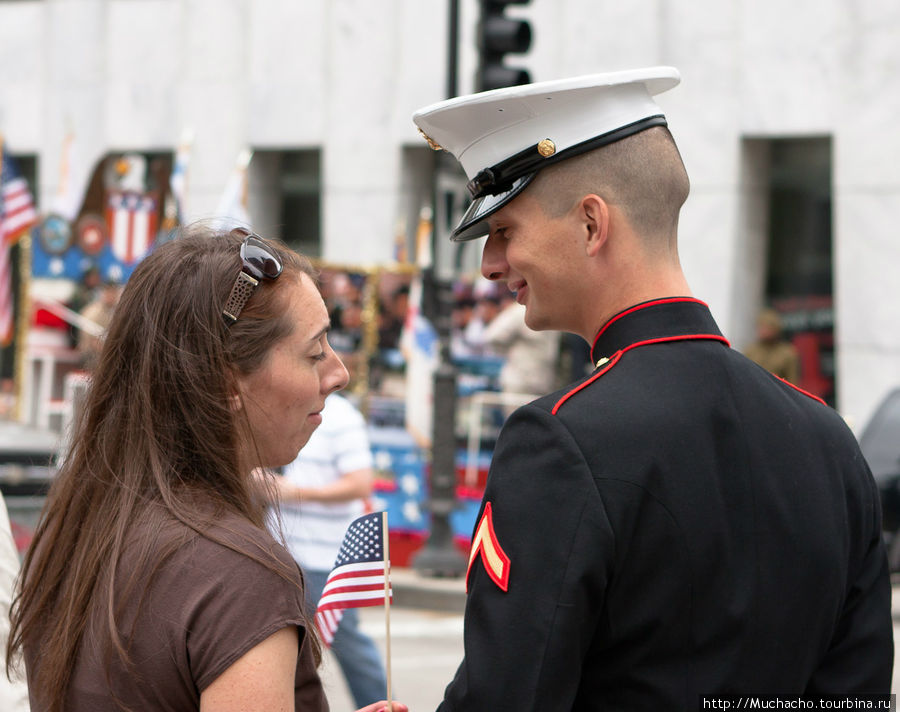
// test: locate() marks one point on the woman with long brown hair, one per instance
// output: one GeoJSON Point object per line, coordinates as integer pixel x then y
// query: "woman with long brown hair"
{"type": "Point", "coordinates": [152, 583]}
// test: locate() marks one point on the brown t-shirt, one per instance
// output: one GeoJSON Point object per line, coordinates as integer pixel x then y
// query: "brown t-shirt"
{"type": "Point", "coordinates": [205, 608]}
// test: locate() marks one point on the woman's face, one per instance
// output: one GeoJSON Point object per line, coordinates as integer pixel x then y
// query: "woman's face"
{"type": "Point", "coordinates": [284, 398]}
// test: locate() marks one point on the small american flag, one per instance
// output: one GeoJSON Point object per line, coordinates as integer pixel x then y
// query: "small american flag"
{"type": "Point", "coordinates": [359, 577]}
{"type": "Point", "coordinates": [17, 216]}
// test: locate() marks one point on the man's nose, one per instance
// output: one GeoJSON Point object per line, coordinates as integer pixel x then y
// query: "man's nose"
{"type": "Point", "coordinates": [493, 259]}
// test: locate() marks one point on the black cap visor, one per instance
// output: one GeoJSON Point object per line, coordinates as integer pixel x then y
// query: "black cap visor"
{"type": "Point", "coordinates": [473, 225]}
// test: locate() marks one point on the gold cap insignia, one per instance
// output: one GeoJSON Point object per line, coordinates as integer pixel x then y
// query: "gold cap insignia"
{"type": "Point", "coordinates": [431, 142]}
{"type": "Point", "coordinates": [546, 147]}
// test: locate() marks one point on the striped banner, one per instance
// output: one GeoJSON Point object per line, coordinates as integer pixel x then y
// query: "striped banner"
{"type": "Point", "coordinates": [132, 220]}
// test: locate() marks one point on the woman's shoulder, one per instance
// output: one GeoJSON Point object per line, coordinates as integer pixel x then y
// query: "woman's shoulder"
{"type": "Point", "coordinates": [220, 545]}
{"type": "Point", "coordinates": [220, 589]}
{"type": "Point", "coordinates": [231, 537]}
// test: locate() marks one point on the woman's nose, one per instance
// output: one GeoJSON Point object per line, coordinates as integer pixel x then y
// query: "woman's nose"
{"type": "Point", "coordinates": [338, 377]}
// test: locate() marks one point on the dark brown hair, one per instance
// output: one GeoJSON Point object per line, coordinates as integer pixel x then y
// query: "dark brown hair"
{"type": "Point", "coordinates": [157, 437]}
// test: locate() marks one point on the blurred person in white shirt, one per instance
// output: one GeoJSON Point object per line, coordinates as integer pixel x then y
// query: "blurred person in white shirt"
{"type": "Point", "coordinates": [13, 693]}
{"type": "Point", "coordinates": [322, 492]}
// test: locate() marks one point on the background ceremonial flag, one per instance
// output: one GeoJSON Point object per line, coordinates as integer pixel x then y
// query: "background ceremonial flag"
{"type": "Point", "coordinates": [178, 179]}
{"type": "Point", "coordinates": [17, 215]}
{"type": "Point", "coordinates": [419, 344]}
{"type": "Point", "coordinates": [64, 203]}
{"type": "Point", "coordinates": [74, 175]}
{"type": "Point", "coordinates": [360, 574]}
{"type": "Point", "coordinates": [232, 208]}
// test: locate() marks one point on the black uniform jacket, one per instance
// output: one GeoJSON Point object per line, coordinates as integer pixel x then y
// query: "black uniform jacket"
{"type": "Point", "coordinates": [680, 523]}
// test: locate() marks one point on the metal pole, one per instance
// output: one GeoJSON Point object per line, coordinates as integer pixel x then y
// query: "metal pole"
{"type": "Point", "coordinates": [439, 556]}
{"type": "Point", "coordinates": [453, 49]}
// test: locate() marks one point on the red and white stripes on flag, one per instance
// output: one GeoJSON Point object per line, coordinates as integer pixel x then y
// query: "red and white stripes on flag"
{"type": "Point", "coordinates": [359, 577]}
{"type": "Point", "coordinates": [17, 215]}
{"type": "Point", "coordinates": [132, 221]}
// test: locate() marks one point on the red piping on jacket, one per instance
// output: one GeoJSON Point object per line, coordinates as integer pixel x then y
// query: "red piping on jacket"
{"type": "Point", "coordinates": [616, 356]}
{"type": "Point", "coordinates": [670, 300]}
{"type": "Point", "coordinates": [797, 388]}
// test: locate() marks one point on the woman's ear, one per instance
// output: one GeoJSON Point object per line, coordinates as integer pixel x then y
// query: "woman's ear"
{"type": "Point", "coordinates": [594, 213]}
{"type": "Point", "coordinates": [235, 387]}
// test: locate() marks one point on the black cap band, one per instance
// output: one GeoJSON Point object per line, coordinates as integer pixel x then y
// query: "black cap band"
{"type": "Point", "coordinates": [499, 178]}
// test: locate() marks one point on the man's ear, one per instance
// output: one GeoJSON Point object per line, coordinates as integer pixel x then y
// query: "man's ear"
{"type": "Point", "coordinates": [594, 213]}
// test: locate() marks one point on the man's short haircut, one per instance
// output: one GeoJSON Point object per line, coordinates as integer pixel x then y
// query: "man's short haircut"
{"type": "Point", "coordinates": [642, 175]}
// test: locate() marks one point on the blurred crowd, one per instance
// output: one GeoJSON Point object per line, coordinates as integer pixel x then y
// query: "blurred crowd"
{"type": "Point", "coordinates": [489, 339]}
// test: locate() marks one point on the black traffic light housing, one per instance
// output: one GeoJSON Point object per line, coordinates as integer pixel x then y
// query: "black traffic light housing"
{"type": "Point", "coordinates": [499, 35]}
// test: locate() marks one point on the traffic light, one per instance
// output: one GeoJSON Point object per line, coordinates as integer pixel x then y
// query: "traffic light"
{"type": "Point", "coordinates": [499, 35]}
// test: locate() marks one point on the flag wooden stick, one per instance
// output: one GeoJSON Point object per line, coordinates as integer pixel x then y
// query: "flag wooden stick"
{"type": "Point", "coordinates": [387, 610]}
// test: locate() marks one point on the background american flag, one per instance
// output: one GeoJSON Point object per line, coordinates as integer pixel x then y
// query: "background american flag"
{"type": "Point", "coordinates": [17, 215]}
{"type": "Point", "coordinates": [358, 577]}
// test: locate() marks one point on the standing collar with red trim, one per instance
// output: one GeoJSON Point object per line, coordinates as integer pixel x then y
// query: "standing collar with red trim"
{"type": "Point", "coordinates": [662, 319]}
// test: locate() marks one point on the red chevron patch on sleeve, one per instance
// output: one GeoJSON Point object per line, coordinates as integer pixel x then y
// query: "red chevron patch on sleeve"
{"type": "Point", "coordinates": [485, 543]}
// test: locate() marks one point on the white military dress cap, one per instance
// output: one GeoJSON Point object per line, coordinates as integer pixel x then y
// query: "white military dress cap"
{"type": "Point", "coordinates": [504, 137]}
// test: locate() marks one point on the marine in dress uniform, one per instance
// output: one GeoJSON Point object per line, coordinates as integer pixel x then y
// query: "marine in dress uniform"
{"type": "Point", "coordinates": [678, 524]}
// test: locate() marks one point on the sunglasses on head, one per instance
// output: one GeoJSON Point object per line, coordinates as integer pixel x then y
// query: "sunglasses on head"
{"type": "Point", "coordinates": [259, 262]}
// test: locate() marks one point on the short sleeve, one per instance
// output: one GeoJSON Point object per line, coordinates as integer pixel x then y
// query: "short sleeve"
{"type": "Point", "coordinates": [189, 617]}
{"type": "Point", "coordinates": [233, 604]}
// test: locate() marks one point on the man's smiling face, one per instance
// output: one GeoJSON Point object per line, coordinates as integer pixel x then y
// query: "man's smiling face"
{"type": "Point", "coordinates": [534, 254]}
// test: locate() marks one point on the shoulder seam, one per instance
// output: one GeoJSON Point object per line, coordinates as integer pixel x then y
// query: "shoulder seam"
{"type": "Point", "coordinates": [800, 390]}
{"type": "Point", "coordinates": [618, 355]}
{"type": "Point", "coordinates": [584, 384]}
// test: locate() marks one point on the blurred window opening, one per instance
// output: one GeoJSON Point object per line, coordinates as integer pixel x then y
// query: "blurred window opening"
{"type": "Point", "coordinates": [286, 191]}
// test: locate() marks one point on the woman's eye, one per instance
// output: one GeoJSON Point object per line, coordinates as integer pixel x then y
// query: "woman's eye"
{"type": "Point", "coordinates": [320, 357]}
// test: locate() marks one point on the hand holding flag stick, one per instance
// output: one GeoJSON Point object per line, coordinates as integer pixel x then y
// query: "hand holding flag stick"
{"type": "Point", "coordinates": [380, 707]}
{"type": "Point", "coordinates": [360, 578]}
